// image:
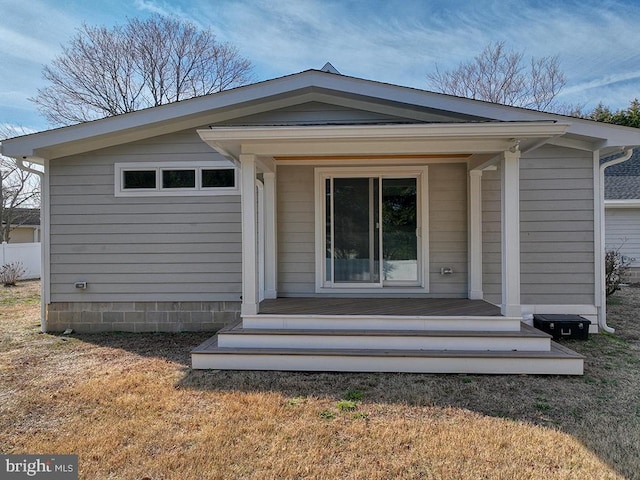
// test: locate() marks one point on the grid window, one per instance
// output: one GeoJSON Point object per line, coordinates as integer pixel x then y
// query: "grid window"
{"type": "Point", "coordinates": [178, 179]}
{"type": "Point", "coordinates": [222, 178]}
{"type": "Point", "coordinates": [139, 179]}
{"type": "Point", "coordinates": [175, 179]}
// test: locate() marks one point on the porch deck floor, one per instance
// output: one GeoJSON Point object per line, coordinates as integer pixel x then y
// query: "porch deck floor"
{"type": "Point", "coordinates": [378, 306]}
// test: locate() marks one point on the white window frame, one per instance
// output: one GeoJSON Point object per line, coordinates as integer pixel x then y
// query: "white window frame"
{"type": "Point", "coordinates": [420, 173]}
{"type": "Point", "coordinates": [159, 191]}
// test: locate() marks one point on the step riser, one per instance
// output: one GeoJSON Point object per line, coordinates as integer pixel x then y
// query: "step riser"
{"type": "Point", "coordinates": [390, 342]}
{"type": "Point", "coordinates": [363, 322]}
{"type": "Point", "coordinates": [337, 363]}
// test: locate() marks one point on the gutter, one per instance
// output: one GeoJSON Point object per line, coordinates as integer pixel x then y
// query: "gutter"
{"type": "Point", "coordinates": [43, 265]}
{"type": "Point", "coordinates": [626, 155]}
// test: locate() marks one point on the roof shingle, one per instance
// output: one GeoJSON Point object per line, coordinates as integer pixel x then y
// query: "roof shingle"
{"type": "Point", "coordinates": [622, 181]}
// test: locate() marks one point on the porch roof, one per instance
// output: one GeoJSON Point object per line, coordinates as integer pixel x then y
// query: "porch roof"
{"type": "Point", "coordinates": [401, 139]}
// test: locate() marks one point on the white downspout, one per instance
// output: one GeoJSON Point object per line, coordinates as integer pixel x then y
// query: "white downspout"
{"type": "Point", "coordinates": [602, 318]}
{"type": "Point", "coordinates": [43, 265]}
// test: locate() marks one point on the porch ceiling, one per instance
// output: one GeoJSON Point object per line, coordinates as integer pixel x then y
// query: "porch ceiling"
{"type": "Point", "coordinates": [415, 139]}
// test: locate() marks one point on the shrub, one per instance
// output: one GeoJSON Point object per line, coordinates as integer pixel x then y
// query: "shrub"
{"type": "Point", "coordinates": [10, 273]}
{"type": "Point", "coordinates": [615, 268]}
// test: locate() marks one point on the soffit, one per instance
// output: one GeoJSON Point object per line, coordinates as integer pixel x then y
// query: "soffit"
{"type": "Point", "coordinates": [358, 140]}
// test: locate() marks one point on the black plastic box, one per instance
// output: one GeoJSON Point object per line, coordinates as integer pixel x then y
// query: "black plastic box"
{"type": "Point", "coordinates": [572, 327]}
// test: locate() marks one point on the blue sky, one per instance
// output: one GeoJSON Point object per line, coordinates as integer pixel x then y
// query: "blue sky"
{"type": "Point", "coordinates": [395, 41]}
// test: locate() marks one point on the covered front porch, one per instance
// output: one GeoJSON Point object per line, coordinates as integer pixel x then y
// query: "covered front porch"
{"type": "Point", "coordinates": [301, 311]}
{"type": "Point", "coordinates": [315, 203]}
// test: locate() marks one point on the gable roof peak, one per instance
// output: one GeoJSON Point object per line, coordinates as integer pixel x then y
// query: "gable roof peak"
{"type": "Point", "coordinates": [329, 69]}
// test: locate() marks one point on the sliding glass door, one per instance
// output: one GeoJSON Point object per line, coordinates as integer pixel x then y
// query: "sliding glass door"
{"type": "Point", "coordinates": [399, 230]}
{"type": "Point", "coordinates": [354, 230]}
{"type": "Point", "coordinates": [371, 234]}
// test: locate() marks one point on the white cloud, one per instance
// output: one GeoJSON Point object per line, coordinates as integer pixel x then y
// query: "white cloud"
{"type": "Point", "coordinates": [402, 41]}
{"type": "Point", "coordinates": [152, 7]}
{"type": "Point", "coordinates": [166, 9]}
{"type": "Point", "coordinates": [25, 46]}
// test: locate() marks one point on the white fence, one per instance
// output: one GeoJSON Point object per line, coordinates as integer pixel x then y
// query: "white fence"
{"type": "Point", "coordinates": [28, 254]}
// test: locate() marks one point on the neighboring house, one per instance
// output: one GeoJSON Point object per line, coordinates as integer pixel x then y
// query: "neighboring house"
{"type": "Point", "coordinates": [23, 248]}
{"type": "Point", "coordinates": [349, 224]}
{"type": "Point", "coordinates": [622, 212]}
{"type": "Point", "coordinates": [25, 225]}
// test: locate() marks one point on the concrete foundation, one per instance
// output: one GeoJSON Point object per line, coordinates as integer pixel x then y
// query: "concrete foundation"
{"type": "Point", "coordinates": [94, 317]}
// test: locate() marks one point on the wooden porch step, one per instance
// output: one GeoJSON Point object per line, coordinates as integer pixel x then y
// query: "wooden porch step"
{"type": "Point", "coordinates": [557, 361]}
{"type": "Point", "coordinates": [489, 323]}
{"type": "Point", "coordinates": [526, 339]}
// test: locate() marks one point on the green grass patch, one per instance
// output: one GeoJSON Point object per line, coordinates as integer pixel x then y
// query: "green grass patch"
{"type": "Point", "coordinates": [542, 404]}
{"type": "Point", "coordinates": [354, 395]}
{"type": "Point", "coordinates": [327, 415]}
{"type": "Point", "coordinates": [347, 405]}
{"type": "Point", "coordinates": [295, 401]}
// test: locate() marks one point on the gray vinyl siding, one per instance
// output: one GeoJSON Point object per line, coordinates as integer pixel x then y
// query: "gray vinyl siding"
{"type": "Point", "coordinates": [318, 113]}
{"type": "Point", "coordinates": [557, 227]}
{"type": "Point", "coordinates": [447, 229]}
{"type": "Point", "coordinates": [623, 232]}
{"type": "Point", "coordinates": [178, 248]}
{"type": "Point", "coordinates": [296, 225]}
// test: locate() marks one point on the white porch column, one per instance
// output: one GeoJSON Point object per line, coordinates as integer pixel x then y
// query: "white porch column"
{"type": "Point", "coordinates": [250, 292]}
{"type": "Point", "coordinates": [475, 235]}
{"type": "Point", "coordinates": [510, 166]}
{"type": "Point", "coordinates": [270, 237]}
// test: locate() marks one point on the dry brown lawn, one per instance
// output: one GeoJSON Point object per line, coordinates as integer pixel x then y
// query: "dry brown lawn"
{"type": "Point", "coordinates": [131, 408]}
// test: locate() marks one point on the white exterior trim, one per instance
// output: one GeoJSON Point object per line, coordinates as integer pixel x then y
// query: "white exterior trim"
{"type": "Point", "coordinates": [598, 240]}
{"type": "Point", "coordinates": [600, 234]}
{"type": "Point", "coordinates": [370, 161]}
{"type": "Point", "coordinates": [494, 323]}
{"type": "Point", "coordinates": [510, 196]}
{"type": "Point", "coordinates": [270, 236]}
{"type": "Point", "coordinates": [586, 310]}
{"type": "Point", "coordinates": [421, 175]}
{"type": "Point", "coordinates": [312, 85]}
{"type": "Point", "coordinates": [367, 340]}
{"type": "Point", "coordinates": [250, 287]}
{"type": "Point", "coordinates": [447, 362]}
{"type": "Point", "coordinates": [198, 190]}
{"type": "Point", "coordinates": [260, 237]}
{"type": "Point", "coordinates": [475, 235]}
{"type": "Point", "coordinates": [456, 138]}
{"type": "Point", "coordinates": [541, 129]}
{"type": "Point", "coordinates": [45, 220]}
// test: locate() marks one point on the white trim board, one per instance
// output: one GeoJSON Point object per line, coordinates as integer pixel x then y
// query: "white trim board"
{"type": "Point", "coordinates": [298, 88]}
{"type": "Point", "coordinates": [158, 167]}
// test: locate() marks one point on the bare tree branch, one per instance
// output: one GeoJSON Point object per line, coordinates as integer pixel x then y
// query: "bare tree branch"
{"type": "Point", "coordinates": [145, 63]}
{"type": "Point", "coordinates": [18, 189]}
{"type": "Point", "coordinates": [500, 76]}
